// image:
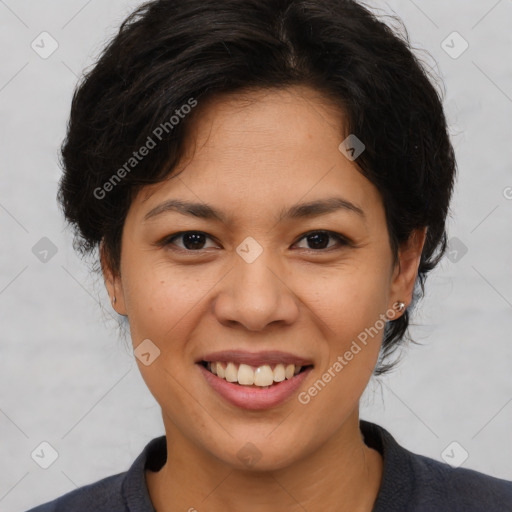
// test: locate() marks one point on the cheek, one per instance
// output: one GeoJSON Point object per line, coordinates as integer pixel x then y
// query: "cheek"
{"type": "Point", "coordinates": [349, 297]}
{"type": "Point", "coordinates": [159, 297]}
{"type": "Point", "coordinates": [352, 304]}
{"type": "Point", "coordinates": [350, 355]}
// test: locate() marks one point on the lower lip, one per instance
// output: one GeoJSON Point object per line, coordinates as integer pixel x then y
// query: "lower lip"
{"type": "Point", "coordinates": [254, 398]}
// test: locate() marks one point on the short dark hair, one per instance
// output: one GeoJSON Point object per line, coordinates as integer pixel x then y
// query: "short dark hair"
{"type": "Point", "coordinates": [172, 53]}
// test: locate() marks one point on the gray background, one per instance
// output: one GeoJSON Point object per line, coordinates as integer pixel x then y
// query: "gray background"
{"type": "Point", "coordinates": [67, 378]}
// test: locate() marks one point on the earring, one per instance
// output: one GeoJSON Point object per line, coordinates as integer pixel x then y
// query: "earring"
{"type": "Point", "coordinates": [399, 306]}
{"type": "Point", "coordinates": [114, 300]}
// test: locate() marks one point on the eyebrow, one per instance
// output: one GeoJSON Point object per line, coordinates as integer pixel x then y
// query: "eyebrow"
{"type": "Point", "coordinates": [298, 211]}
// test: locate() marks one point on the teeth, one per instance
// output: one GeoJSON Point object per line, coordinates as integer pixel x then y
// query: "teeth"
{"type": "Point", "coordinates": [279, 373]}
{"type": "Point", "coordinates": [231, 373]}
{"type": "Point", "coordinates": [220, 370]}
{"type": "Point", "coordinates": [247, 375]}
{"type": "Point", "coordinates": [263, 376]}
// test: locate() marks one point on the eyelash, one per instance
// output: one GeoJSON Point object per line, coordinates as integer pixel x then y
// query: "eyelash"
{"type": "Point", "coordinates": [168, 241]}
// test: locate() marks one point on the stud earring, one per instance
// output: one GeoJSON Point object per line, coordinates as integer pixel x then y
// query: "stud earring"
{"type": "Point", "coordinates": [399, 306]}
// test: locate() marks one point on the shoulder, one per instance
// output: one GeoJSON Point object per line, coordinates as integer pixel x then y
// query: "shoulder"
{"type": "Point", "coordinates": [417, 483]}
{"type": "Point", "coordinates": [101, 496]}
{"type": "Point", "coordinates": [117, 493]}
{"type": "Point", "coordinates": [440, 485]}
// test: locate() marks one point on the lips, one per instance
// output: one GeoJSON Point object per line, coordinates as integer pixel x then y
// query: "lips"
{"type": "Point", "coordinates": [255, 359]}
{"type": "Point", "coordinates": [260, 389]}
{"type": "Point", "coordinates": [253, 397]}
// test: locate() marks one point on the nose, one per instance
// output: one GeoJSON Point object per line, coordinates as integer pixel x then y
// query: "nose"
{"type": "Point", "coordinates": [255, 295]}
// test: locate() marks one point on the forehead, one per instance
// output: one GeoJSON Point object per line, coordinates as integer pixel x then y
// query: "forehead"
{"type": "Point", "coordinates": [261, 150]}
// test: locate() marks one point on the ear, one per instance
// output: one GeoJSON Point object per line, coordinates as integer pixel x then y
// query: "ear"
{"type": "Point", "coordinates": [113, 282]}
{"type": "Point", "coordinates": [406, 269]}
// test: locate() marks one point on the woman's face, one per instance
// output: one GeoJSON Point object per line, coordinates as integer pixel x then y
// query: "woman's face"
{"type": "Point", "coordinates": [258, 277]}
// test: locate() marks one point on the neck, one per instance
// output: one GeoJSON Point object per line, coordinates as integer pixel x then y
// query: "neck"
{"type": "Point", "coordinates": [343, 474]}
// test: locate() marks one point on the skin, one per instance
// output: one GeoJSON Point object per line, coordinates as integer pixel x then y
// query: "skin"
{"type": "Point", "coordinates": [251, 159]}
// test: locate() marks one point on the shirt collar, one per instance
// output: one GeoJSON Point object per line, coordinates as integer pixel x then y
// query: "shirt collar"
{"type": "Point", "coordinates": [395, 490]}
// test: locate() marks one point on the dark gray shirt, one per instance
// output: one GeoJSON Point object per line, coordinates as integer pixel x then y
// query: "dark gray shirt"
{"type": "Point", "coordinates": [410, 483]}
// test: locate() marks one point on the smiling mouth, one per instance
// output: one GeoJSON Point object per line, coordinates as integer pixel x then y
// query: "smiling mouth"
{"type": "Point", "coordinates": [263, 376]}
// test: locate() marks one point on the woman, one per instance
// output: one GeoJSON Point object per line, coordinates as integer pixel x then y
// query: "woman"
{"type": "Point", "coordinates": [267, 183]}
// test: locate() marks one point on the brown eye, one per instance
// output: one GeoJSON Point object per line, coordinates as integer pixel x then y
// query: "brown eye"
{"type": "Point", "coordinates": [195, 241]}
{"type": "Point", "coordinates": [191, 240]}
{"type": "Point", "coordinates": [319, 240]}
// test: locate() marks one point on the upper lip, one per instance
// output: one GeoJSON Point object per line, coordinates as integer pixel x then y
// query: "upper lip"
{"type": "Point", "coordinates": [269, 357]}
